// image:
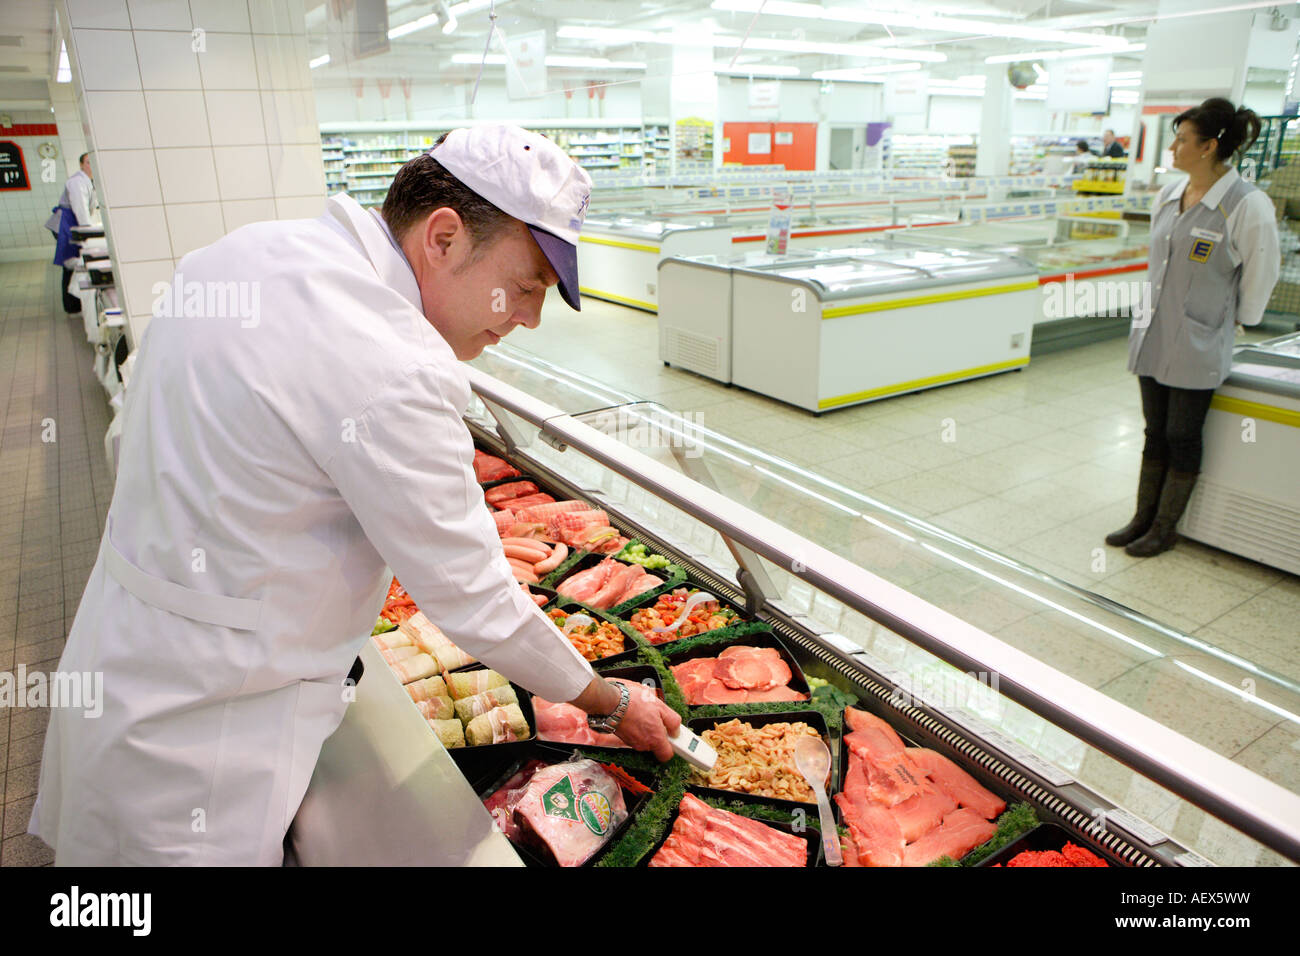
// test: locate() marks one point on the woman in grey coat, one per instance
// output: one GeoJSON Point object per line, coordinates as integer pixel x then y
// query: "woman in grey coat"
{"type": "Point", "coordinates": [1212, 265]}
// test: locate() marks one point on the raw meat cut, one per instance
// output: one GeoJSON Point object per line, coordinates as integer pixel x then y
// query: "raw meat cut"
{"type": "Point", "coordinates": [957, 783]}
{"type": "Point", "coordinates": [706, 836]}
{"type": "Point", "coordinates": [747, 675]}
{"type": "Point", "coordinates": [608, 584]}
{"type": "Point", "coordinates": [491, 468]}
{"type": "Point", "coordinates": [907, 806]}
{"type": "Point", "coordinates": [499, 494]}
{"type": "Point", "coordinates": [566, 724]}
{"type": "Point", "coordinates": [543, 513]}
{"type": "Point", "coordinates": [569, 809]}
{"type": "Point", "coordinates": [962, 831]}
{"type": "Point", "coordinates": [516, 505]}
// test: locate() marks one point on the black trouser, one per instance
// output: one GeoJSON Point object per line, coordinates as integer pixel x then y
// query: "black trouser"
{"type": "Point", "coordinates": [71, 303]}
{"type": "Point", "coordinates": [1175, 419]}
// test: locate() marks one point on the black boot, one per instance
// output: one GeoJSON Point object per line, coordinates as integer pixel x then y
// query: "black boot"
{"type": "Point", "coordinates": [1164, 530]}
{"type": "Point", "coordinates": [1149, 483]}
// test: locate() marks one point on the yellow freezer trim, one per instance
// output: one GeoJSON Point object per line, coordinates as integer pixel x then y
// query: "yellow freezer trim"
{"type": "Point", "coordinates": [639, 246]}
{"type": "Point", "coordinates": [637, 303]}
{"type": "Point", "coordinates": [927, 299]}
{"type": "Point", "coordinates": [1270, 413]}
{"type": "Point", "coordinates": [921, 383]}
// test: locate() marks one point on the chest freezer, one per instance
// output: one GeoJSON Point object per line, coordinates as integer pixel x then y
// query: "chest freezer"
{"type": "Point", "coordinates": [877, 321]}
{"type": "Point", "coordinates": [1247, 499]}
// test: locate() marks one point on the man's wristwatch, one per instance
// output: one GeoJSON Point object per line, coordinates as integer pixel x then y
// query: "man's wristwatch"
{"type": "Point", "coordinates": [608, 723]}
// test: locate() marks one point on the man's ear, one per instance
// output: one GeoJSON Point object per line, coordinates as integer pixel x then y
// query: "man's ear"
{"type": "Point", "coordinates": [442, 235]}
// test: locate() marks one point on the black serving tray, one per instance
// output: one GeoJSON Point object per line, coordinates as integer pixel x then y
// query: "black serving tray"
{"type": "Point", "coordinates": [1047, 836]}
{"type": "Point", "coordinates": [811, 832]}
{"type": "Point", "coordinates": [798, 681]}
{"type": "Point", "coordinates": [811, 717]}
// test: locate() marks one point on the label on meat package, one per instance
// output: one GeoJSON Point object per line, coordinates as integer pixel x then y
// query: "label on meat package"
{"type": "Point", "coordinates": [560, 800]}
{"type": "Point", "coordinates": [1139, 828]}
{"type": "Point", "coordinates": [592, 809]}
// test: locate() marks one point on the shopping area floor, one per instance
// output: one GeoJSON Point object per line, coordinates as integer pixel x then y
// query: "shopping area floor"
{"type": "Point", "coordinates": [54, 497]}
{"type": "Point", "coordinates": [1043, 466]}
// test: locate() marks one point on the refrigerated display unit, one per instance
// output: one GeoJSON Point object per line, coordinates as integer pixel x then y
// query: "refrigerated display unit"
{"type": "Point", "coordinates": [834, 328]}
{"type": "Point", "coordinates": [1247, 499]}
{"type": "Point", "coordinates": [619, 256]}
{"type": "Point", "coordinates": [1133, 739]}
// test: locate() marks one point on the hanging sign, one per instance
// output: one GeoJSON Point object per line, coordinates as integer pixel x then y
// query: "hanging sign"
{"type": "Point", "coordinates": [778, 222]}
{"type": "Point", "coordinates": [13, 169]}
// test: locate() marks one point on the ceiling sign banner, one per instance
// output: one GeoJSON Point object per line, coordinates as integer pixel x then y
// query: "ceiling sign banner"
{"type": "Point", "coordinates": [1079, 86]}
{"type": "Point", "coordinates": [906, 93]}
{"type": "Point", "coordinates": [525, 64]}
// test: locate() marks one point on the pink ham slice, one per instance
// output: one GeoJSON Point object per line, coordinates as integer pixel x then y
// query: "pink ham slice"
{"type": "Point", "coordinates": [737, 650]}
{"type": "Point", "coordinates": [566, 724]}
{"type": "Point", "coordinates": [716, 692]}
{"type": "Point", "coordinates": [747, 672]}
{"type": "Point", "coordinates": [775, 694]}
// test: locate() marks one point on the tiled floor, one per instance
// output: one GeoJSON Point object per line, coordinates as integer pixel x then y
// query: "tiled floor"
{"type": "Point", "coordinates": [54, 496]}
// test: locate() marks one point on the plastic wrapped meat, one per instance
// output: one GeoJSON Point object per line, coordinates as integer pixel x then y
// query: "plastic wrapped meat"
{"type": "Point", "coordinates": [570, 809]}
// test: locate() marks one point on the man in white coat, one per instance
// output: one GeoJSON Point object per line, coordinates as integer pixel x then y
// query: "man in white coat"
{"type": "Point", "coordinates": [293, 426]}
{"type": "Point", "coordinates": [76, 205]}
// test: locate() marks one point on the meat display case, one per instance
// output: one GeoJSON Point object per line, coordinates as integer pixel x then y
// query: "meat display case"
{"type": "Point", "coordinates": [1133, 737]}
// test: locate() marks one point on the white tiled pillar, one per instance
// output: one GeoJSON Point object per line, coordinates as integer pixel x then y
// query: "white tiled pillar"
{"type": "Point", "coordinates": [200, 118]}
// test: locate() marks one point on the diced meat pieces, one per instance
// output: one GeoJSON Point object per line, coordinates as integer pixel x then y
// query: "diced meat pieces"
{"type": "Point", "coordinates": [961, 831]}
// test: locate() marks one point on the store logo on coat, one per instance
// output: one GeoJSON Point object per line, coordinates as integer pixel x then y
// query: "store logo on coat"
{"type": "Point", "coordinates": [74, 690]}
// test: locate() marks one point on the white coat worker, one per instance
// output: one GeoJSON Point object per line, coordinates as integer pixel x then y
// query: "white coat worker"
{"type": "Point", "coordinates": [276, 455]}
{"type": "Point", "coordinates": [76, 204]}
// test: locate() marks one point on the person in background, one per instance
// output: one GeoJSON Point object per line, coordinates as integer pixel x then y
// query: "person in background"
{"type": "Point", "coordinates": [1081, 156]}
{"type": "Point", "coordinates": [1110, 147]}
{"type": "Point", "coordinates": [1212, 265]}
{"type": "Point", "coordinates": [74, 209]}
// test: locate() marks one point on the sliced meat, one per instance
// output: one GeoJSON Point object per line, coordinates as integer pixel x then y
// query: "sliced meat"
{"type": "Point", "coordinates": [775, 694]}
{"type": "Point", "coordinates": [518, 505]}
{"type": "Point", "coordinates": [716, 692]}
{"type": "Point", "coordinates": [874, 734]}
{"type": "Point", "coordinates": [745, 672]}
{"type": "Point", "coordinates": [511, 489]}
{"type": "Point", "coordinates": [768, 653]}
{"type": "Point", "coordinates": [961, 831]}
{"type": "Point", "coordinates": [955, 782]}
{"type": "Point", "coordinates": [875, 833]}
{"type": "Point", "coordinates": [779, 674]}
{"type": "Point", "coordinates": [920, 814]}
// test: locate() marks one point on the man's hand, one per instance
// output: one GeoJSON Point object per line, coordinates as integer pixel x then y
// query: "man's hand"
{"type": "Point", "coordinates": [648, 720]}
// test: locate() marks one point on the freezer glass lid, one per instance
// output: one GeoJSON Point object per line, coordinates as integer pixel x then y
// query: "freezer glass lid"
{"type": "Point", "coordinates": [842, 275]}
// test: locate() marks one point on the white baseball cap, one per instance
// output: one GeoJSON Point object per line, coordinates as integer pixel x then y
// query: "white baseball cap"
{"type": "Point", "coordinates": [529, 177]}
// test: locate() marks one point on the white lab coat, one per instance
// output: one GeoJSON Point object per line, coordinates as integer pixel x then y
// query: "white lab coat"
{"type": "Point", "coordinates": [271, 465]}
{"type": "Point", "coordinates": [79, 196]}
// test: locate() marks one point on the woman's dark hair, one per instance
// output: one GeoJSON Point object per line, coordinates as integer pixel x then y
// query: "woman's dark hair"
{"type": "Point", "coordinates": [1236, 128]}
{"type": "Point", "coordinates": [1081, 146]}
{"type": "Point", "coordinates": [423, 184]}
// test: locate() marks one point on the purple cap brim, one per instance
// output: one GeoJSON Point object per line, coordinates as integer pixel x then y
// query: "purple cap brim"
{"type": "Point", "coordinates": [564, 260]}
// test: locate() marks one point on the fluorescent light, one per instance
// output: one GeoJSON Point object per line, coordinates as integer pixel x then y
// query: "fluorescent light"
{"type": "Point", "coordinates": [864, 74]}
{"type": "Point", "coordinates": [318, 61]}
{"type": "Point", "coordinates": [428, 20]}
{"type": "Point", "coordinates": [614, 36]}
{"type": "Point", "coordinates": [64, 72]}
{"type": "Point", "coordinates": [756, 69]}
{"type": "Point", "coordinates": [1161, 15]}
{"type": "Point", "coordinates": [573, 62]}
{"type": "Point", "coordinates": [916, 21]}
{"type": "Point", "coordinates": [1066, 54]}
{"type": "Point", "coordinates": [448, 19]}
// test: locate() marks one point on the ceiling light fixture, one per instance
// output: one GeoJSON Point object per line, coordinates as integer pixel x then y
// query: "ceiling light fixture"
{"type": "Point", "coordinates": [1066, 54]}
{"type": "Point", "coordinates": [318, 61]}
{"type": "Point", "coordinates": [614, 36]}
{"type": "Point", "coordinates": [916, 21]}
{"type": "Point", "coordinates": [64, 72]}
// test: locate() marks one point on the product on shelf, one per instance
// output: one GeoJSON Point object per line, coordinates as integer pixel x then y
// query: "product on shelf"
{"type": "Point", "coordinates": [398, 606]}
{"type": "Point", "coordinates": [907, 806]}
{"type": "Point", "coordinates": [636, 553]}
{"type": "Point", "coordinates": [427, 688]}
{"type": "Point", "coordinates": [491, 468]}
{"type": "Point", "coordinates": [437, 708]}
{"type": "Point", "coordinates": [391, 640]}
{"type": "Point", "coordinates": [467, 708]}
{"type": "Point", "coordinates": [531, 559]}
{"type": "Point", "coordinates": [739, 675]}
{"type": "Point", "coordinates": [469, 683]}
{"type": "Point", "coordinates": [706, 616]}
{"type": "Point", "coordinates": [568, 810]}
{"type": "Point", "coordinates": [608, 584]}
{"type": "Point", "coordinates": [393, 655]}
{"type": "Point", "coordinates": [414, 668]}
{"type": "Point", "coordinates": [499, 494]}
{"type": "Point", "coordinates": [498, 726]}
{"type": "Point", "coordinates": [706, 836]}
{"type": "Point", "coordinates": [594, 641]}
{"type": "Point", "coordinates": [1068, 855]}
{"type": "Point", "coordinates": [450, 732]}
{"type": "Point", "coordinates": [587, 529]}
{"type": "Point", "coordinates": [524, 502]}
{"type": "Point", "coordinates": [565, 724]}
{"type": "Point", "coordinates": [757, 760]}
